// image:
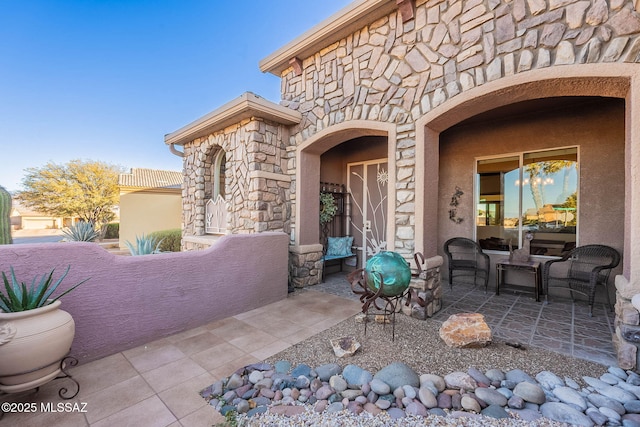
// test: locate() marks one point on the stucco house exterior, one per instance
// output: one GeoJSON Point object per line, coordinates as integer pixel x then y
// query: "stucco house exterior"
{"type": "Point", "coordinates": [24, 218]}
{"type": "Point", "coordinates": [150, 200]}
{"type": "Point", "coordinates": [441, 118]}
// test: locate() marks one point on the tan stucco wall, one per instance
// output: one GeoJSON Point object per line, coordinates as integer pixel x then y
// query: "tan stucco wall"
{"type": "Point", "coordinates": [143, 212]}
{"type": "Point", "coordinates": [333, 163]}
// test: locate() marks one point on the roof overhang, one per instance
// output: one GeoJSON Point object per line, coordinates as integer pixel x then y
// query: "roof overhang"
{"type": "Point", "coordinates": [336, 27]}
{"type": "Point", "coordinates": [246, 106]}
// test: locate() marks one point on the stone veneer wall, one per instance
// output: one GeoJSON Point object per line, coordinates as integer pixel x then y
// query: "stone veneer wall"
{"type": "Point", "coordinates": [429, 288]}
{"type": "Point", "coordinates": [257, 190]}
{"type": "Point", "coordinates": [305, 265]}
{"type": "Point", "coordinates": [396, 72]}
{"type": "Point", "coordinates": [626, 338]}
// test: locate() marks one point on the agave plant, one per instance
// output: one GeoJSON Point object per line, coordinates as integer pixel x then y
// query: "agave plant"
{"type": "Point", "coordinates": [145, 245]}
{"type": "Point", "coordinates": [81, 232]}
{"type": "Point", "coordinates": [19, 297]}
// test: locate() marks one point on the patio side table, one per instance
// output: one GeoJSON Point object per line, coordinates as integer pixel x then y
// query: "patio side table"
{"type": "Point", "coordinates": [529, 266]}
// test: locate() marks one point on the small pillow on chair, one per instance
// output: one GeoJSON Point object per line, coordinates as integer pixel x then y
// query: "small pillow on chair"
{"type": "Point", "coordinates": [339, 246]}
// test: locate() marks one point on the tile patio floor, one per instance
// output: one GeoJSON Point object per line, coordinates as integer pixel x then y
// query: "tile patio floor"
{"type": "Point", "coordinates": [157, 384]}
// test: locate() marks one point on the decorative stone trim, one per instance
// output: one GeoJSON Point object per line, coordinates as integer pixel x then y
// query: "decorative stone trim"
{"type": "Point", "coordinates": [305, 265]}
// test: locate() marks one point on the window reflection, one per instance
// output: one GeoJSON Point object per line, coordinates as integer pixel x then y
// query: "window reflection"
{"type": "Point", "coordinates": [529, 193]}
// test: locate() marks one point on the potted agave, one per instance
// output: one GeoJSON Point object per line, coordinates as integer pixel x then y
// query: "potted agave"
{"type": "Point", "coordinates": [35, 334]}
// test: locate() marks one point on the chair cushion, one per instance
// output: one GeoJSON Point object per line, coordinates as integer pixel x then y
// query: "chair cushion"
{"type": "Point", "coordinates": [339, 246]}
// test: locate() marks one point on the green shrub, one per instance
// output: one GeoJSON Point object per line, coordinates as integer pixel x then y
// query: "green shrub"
{"type": "Point", "coordinates": [169, 239]}
{"type": "Point", "coordinates": [113, 230]}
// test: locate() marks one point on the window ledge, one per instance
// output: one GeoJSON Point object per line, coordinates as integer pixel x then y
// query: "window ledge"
{"type": "Point", "coordinates": [207, 239]}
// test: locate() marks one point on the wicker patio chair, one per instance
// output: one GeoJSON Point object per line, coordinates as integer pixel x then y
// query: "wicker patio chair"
{"type": "Point", "coordinates": [467, 259]}
{"type": "Point", "coordinates": [586, 267]}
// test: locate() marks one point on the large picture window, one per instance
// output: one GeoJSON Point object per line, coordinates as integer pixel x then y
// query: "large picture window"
{"type": "Point", "coordinates": [531, 192]}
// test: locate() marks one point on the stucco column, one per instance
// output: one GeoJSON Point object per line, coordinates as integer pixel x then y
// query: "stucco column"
{"type": "Point", "coordinates": [631, 261]}
{"type": "Point", "coordinates": [307, 198]}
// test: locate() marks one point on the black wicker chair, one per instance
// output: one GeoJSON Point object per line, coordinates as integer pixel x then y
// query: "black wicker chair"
{"type": "Point", "coordinates": [467, 259]}
{"type": "Point", "coordinates": [586, 267]}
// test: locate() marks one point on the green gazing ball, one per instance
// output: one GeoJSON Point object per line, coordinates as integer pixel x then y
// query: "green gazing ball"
{"type": "Point", "coordinates": [395, 271]}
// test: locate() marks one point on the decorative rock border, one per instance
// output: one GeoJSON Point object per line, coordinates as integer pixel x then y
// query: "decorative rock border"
{"type": "Point", "coordinates": [613, 399]}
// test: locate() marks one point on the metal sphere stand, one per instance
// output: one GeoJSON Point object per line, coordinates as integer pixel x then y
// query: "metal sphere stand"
{"type": "Point", "coordinates": [384, 305]}
{"type": "Point", "coordinates": [64, 392]}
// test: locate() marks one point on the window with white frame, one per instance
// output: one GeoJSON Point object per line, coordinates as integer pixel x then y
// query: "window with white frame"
{"type": "Point", "coordinates": [529, 192]}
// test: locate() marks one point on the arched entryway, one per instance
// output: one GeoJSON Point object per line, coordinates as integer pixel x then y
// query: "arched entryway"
{"type": "Point", "coordinates": [343, 145]}
{"type": "Point", "coordinates": [612, 81]}
{"type": "Point", "coordinates": [618, 88]}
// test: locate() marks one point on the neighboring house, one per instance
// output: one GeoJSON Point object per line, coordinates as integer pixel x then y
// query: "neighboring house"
{"type": "Point", "coordinates": [150, 200]}
{"type": "Point", "coordinates": [442, 119]}
{"type": "Point", "coordinates": [24, 218]}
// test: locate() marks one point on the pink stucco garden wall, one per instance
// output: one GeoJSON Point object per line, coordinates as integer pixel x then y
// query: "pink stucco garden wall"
{"type": "Point", "coordinates": [129, 301]}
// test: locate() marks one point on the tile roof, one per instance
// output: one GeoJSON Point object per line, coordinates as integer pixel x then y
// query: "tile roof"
{"type": "Point", "coordinates": [150, 178]}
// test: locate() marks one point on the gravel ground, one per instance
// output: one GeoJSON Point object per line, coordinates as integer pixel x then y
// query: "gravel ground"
{"type": "Point", "coordinates": [418, 345]}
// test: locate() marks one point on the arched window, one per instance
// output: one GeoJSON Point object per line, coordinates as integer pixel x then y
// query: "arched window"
{"type": "Point", "coordinates": [216, 207]}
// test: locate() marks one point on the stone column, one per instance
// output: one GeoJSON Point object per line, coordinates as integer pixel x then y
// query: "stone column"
{"type": "Point", "coordinates": [626, 338]}
{"type": "Point", "coordinates": [305, 265]}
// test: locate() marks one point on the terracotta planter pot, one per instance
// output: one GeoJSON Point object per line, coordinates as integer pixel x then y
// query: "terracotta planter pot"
{"type": "Point", "coordinates": [32, 344]}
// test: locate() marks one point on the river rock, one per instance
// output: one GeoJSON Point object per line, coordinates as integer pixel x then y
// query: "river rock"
{"type": "Point", "coordinates": [491, 396]}
{"type": "Point", "coordinates": [416, 408]}
{"type": "Point", "coordinates": [427, 398]}
{"type": "Point", "coordinates": [495, 375]}
{"type": "Point", "coordinates": [495, 411]}
{"type": "Point", "coordinates": [470, 404]}
{"type": "Point", "coordinates": [600, 401]}
{"type": "Point", "coordinates": [479, 376]}
{"type": "Point", "coordinates": [437, 380]}
{"type": "Point", "coordinates": [460, 380]}
{"type": "Point", "coordinates": [565, 414]}
{"type": "Point", "coordinates": [549, 380]}
{"type": "Point", "coordinates": [529, 392]}
{"type": "Point", "coordinates": [338, 383]}
{"type": "Point", "coordinates": [356, 376]}
{"type": "Point", "coordinates": [255, 376]}
{"type": "Point", "coordinates": [282, 366]}
{"type": "Point", "coordinates": [396, 413]}
{"type": "Point", "coordinates": [324, 392]}
{"type": "Point", "coordinates": [379, 387]}
{"type": "Point", "coordinates": [327, 371]}
{"type": "Point", "coordinates": [597, 417]}
{"type": "Point", "coordinates": [398, 374]}
{"type": "Point", "coordinates": [301, 369]}
{"type": "Point", "coordinates": [518, 376]}
{"type": "Point", "coordinates": [570, 396]}
{"type": "Point", "coordinates": [351, 394]}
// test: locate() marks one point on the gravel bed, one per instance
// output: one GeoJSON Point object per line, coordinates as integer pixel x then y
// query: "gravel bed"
{"type": "Point", "coordinates": [417, 344]}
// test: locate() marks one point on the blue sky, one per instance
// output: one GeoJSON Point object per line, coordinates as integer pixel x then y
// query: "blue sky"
{"type": "Point", "coordinates": [106, 80]}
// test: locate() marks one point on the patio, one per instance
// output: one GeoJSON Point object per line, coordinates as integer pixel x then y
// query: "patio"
{"type": "Point", "coordinates": [156, 384]}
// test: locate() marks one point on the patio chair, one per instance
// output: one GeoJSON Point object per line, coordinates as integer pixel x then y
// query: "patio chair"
{"type": "Point", "coordinates": [586, 267]}
{"type": "Point", "coordinates": [466, 257]}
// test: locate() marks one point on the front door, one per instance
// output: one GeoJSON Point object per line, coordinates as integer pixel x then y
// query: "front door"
{"type": "Point", "coordinates": [367, 184]}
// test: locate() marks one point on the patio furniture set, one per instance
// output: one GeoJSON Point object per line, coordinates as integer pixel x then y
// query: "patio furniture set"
{"type": "Point", "coordinates": [580, 270]}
